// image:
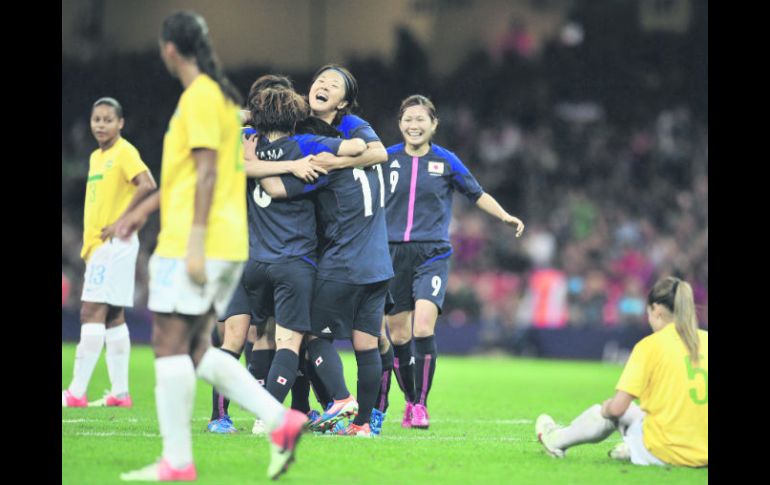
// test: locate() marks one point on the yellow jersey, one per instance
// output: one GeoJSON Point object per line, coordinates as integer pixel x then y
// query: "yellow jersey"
{"type": "Point", "coordinates": [109, 190]}
{"type": "Point", "coordinates": [204, 118]}
{"type": "Point", "coordinates": [674, 394]}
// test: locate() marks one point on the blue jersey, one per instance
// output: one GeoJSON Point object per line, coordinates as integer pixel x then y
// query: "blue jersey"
{"type": "Point", "coordinates": [351, 206]}
{"type": "Point", "coordinates": [351, 126]}
{"type": "Point", "coordinates": [282, 230]}
{"type": "Point", "coordinates": [419, 195]}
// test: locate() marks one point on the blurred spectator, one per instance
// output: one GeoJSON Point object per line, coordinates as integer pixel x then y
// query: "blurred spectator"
{"type": "Point", "coordinates": [611, 182]}
{"type": "Point", "coordinates": [65, 289]}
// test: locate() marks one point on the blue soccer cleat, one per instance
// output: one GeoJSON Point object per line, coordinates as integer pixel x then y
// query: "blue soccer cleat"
{"type": "Point", "coordinates": [223, 425]}
{"type": "Point", "coordinates": [344, 408]}
{"type": "Point", "coordinates": [375, 422]}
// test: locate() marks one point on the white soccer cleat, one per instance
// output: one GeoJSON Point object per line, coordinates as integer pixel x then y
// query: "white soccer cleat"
{"type": "Point", "coordinates": [621, 452]}
{"type": "Point", "coordinates": [544, 427]}
{"type": "Point", "coordinates": [258, 428]}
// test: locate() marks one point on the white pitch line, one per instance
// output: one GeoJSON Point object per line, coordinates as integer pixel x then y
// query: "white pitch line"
{"type": "Point", "coordinates": [389, 438]}
{"type": "Point", "coordinates": [129, 420]}
{"type": "Point", "coordinates": [245, 419]}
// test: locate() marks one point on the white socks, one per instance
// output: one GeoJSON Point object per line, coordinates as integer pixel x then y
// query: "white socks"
{"type": "Point", "coordinates": [175, 398]}
{"type": "Point", "coordinates": [86, 356]}
{"type": "Point", "coordinates": [118, 351]}
{"type": "Point", "coordinates": [589, 427]}
{"type": "Point", "coordinates": [234, 381]}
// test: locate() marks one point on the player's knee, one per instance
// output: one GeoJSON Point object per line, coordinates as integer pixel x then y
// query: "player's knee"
{"type": "Point", "coordinates": [93, 312]}
{"type": "Point", "coordinates": [115, 316]}
{"type": "Point", "coordinates": [383, 343]}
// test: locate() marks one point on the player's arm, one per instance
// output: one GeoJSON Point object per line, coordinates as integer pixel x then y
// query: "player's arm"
{"type": "Point", "coordinates": [488, 204]}
{"type": "Point", "coordinates": [616, 406]}
{"type": "Point", "coordinates": [289, 187]}
{"type": "Point", "coordinates": [374, 153]}
{"type": "Point", "coordinates": [303, 168]}
{"type": "Point", "coordinates": [145, 184]}
{"type": "Point", "coordinates": [206, 168]}
{"type": "Point", "coordinates": [133, 220]}
{"type": "Point", "coordinates": [273, 186]}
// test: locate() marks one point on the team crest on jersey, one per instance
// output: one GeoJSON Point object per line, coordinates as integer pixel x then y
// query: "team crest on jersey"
{"type": "Point", "coordinates": [436, 167]}
{"type": "Point", "coordinates": [395, 164]}
{"type": "Point", "coordinates": [109, 164]}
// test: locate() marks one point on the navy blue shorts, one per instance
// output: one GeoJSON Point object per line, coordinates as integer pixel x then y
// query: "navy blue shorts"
{"type": "Point", "coordinates": [284, 290]}
{"type": "Point", "coordinates": [239, 305]}
{"type": "Point", "coordinates": [421, 270]}
{"type": "Point", "coordinates": [340, 308]}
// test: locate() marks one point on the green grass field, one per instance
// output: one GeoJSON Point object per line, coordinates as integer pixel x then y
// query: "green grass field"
{"type": "Point", "coordinates": [482, 431]}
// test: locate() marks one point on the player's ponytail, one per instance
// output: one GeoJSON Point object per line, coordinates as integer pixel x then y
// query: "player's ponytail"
{"type": "Point", "coordinates": [189, 33]}
{"type": "Point", "coordinates": [677, 297]}
{"type": "Point", "coordinates": [685, 318]}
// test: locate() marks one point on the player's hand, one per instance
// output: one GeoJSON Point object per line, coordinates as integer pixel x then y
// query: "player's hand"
{"type": "Point", "coordinates": [128, 224]}
{"type": "Point", "coordinates": [327, 161]}
{"type": "Point", "coordinates": [514, 221]}
{"type": "Point", "coordinates": [306, 170]}
{"type": "Point", "coordinates": [605, 409]}
{"type": "Point", "coordinates": [108, 232]}
{"type": "Point", "coordinates": [196, 255]}
{"type": "Point", "coordinates": [249, 147]}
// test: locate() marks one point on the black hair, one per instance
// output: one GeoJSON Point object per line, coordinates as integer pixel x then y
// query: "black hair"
{"type": "Point", "coordinates": [418, 100]}
{"type": "Point", "coordinates": [107, 101]}
{"type": "Point", "coordinates": [189, 33]}
{"type": "Point", "coordinates": [277, 109]}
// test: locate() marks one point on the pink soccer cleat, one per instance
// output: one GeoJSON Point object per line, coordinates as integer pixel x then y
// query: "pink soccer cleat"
{"type": "Point", "coordinates": [283, 442]}
{"type": "Point", "coordinates": [161, 471]}
{"type": "Point", "coordinates": [363, 431]}
{"type": "Point", "coordinates": [420, 418]}
{"type": "Point", "coordinates": [68, 400]}
{"type": "Point", "coordinates": [407, 421]}
{"type": "Point", "coordinates": [111, 400]}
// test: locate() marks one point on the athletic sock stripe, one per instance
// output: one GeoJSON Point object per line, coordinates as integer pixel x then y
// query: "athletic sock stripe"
{"type": "Point", "coordinates": [425, 375]}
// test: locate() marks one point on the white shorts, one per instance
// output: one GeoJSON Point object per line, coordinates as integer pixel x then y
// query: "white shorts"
{"type": "Point", "coordinates": [172, 290]}
{"type": "Point", "coordinates": [111, 272]}
{"type": "Point", "coordinates": [634, 438]}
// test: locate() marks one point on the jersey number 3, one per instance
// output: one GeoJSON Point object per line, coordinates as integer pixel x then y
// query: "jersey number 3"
{"type": "Point", "coordinates": [260, 197]}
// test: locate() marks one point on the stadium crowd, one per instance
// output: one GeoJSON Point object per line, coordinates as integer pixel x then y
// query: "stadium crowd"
{"type": "Point", "coordinates": [612, 181]}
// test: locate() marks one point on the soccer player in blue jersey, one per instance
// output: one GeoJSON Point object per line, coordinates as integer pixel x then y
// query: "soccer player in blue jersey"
{"type": "Point", "coordinates": [281, 270]}
{"type": "Point", "coordinates": [333, 97]}
{"type": "Point", "coordinates": [421, 179]}
{"type": "Point", "coordinates": [239, 314]}
{"type": "Point", "coordinates": [354, 266]}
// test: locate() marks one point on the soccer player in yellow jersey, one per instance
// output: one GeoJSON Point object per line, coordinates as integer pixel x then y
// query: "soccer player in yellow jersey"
{"type": "Point", "coordinates": [668, 372]}
{"type": "Point", "coordinates": [118, 180]}
{"type": "Point", "coordinates": [202, 247]}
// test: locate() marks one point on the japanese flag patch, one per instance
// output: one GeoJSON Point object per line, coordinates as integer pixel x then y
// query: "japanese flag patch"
{"type": "Point", "coordinates": [281, 380]}
{"type": "Point", "coordinates": [436, 167]}
{"type": "Point", "coordinates": [318, 361]}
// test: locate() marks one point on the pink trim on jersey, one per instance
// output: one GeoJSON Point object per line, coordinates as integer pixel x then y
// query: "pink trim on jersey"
{"type": "Point", "coordinates": [412, 194]}
{"type": "Point", "coordinates": [425, 375]}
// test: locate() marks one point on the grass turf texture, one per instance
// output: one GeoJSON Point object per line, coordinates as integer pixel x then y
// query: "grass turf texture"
{"type": "Point", "coordinates": [482, 431]}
